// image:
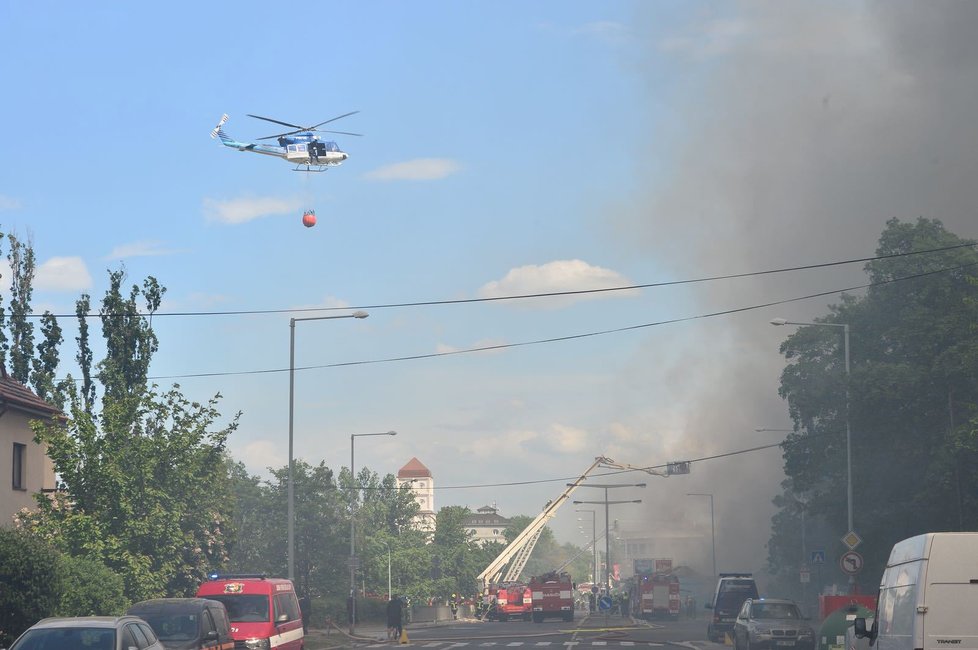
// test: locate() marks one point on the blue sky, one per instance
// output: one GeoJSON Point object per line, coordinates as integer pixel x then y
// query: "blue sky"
{"type": "Point", "coordinates": [508, 148]}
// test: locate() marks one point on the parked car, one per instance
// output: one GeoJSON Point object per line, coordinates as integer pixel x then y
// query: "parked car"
{"type": "Point", "coordinates": [187, 623]}
{"type": "Point", "coordinates": [89, 633]}
{"type": "Point", "coordinates": [772, 624]}
{"type": "Point", "coordinates": [731, 592]}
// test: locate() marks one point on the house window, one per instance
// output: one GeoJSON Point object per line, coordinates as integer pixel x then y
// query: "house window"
{"type": "Point", "coordinates": [20, 453]}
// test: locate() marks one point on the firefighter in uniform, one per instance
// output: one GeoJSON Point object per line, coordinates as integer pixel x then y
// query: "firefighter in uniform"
{"type": "Point", "coordinates": [453, 604]}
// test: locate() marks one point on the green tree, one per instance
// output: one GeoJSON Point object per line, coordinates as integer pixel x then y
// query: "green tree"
{"type": "Point", "coordinates": [89, 588]}
{"type": "Point", "coordinates": [913, 403]}
{"type": "Point", "coordinates": [29, 572]}
{"type": "Point", "coordinates": [146, 489]}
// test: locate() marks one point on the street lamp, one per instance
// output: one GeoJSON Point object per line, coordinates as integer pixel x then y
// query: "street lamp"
{"type": "Point", "coordinates": [845, 330]}
{"type": "Point", "coordinates": [353, 550]}
{"type": "Point", "coordinates": [389, 594]}
{"type": "Point", "coordinates": [607, 535]}
{"type": "Point", "coordinates": [291, 497]}
{"type": "Point", "coordinates": [594, 541]}
{"type": "Point", "coordinates": [713, 531]}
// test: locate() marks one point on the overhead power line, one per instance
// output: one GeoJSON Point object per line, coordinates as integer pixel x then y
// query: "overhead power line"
{"type": "Point", "coordinates": [570, 337]}
{"type": "Point", "coordinates": [525, 296]}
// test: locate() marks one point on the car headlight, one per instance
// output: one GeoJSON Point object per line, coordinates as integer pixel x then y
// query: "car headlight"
{"type": "Point", "coordinates": [762, 630]}
{"type": "Point", "coordinates": [257, 644]}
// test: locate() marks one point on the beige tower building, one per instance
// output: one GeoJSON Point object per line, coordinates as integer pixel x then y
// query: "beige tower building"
{"type": "Point", "coordinates": [418, 479]}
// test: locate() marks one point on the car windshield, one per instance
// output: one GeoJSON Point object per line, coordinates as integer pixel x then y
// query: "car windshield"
{"type": "Point", "coordinates": [172, 626]}
{"type": "Point", "coordinates": [67, 638]}
{"type": "Point", "coordinates": [245, 608]}
{"type": "Point", "coordinates": [775, 610]}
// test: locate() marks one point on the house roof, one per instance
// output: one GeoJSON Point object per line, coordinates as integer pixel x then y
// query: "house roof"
{"type": "Point", "coordinates": [414, 469]}
{"type": "Point", "coordinates": [15, 395]}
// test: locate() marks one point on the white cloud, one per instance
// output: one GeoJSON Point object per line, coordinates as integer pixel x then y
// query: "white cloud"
{"type": "Point", "coordinates": [261, 454]}
{"type": "Point", "coordinates": [567, 440]}
{"type": "Point", "coordinates": [62, 274]}
{"type": "Point", "coordinates": [419, 169]}
{"type": "Point", "coordinates": [139, 249]}
{"type": "Point", "coordinates": [708, 39]}
{"type": "Point", "coordinates": [243, 210]}
{"type": "Point", "coordinates": [604, 30]}
{"type": "Point", "coordinates": [557, 276]}
{"type": "Point", "coordinates": [8, 203]}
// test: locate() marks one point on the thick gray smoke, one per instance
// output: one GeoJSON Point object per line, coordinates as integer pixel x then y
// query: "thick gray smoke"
{"type": "Point", "coordinates": [806, 126]}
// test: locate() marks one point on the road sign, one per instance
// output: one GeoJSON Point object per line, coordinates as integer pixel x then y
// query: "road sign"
{"type": "Point", "coordinates": [805, 576]}
{"type": "Point", "coordinates": [851, 562]}
{"type": "Point", "coordinates": [852, 540]}
{"type": "Point", "coordinates": [604, 603]}
{"type": "Point", "coordinates": [818, 557]}
{"type": "Point", "coordinates": [677, 467]}
{"type": "Point", "coordinates": [594, 589]}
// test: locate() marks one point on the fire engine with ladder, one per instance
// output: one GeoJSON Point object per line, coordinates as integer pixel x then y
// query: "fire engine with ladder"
{"type": "Point", "coordinates": [506, 569]}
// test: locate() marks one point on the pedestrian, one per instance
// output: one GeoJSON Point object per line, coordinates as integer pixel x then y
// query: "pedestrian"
{"type": "Point", "coordinates": [394, 622]}
{"type": "Point", "coordinates": [453, 605]}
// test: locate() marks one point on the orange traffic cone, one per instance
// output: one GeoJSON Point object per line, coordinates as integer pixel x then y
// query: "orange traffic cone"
{"type": "Point", "coordinates": [404, 637]}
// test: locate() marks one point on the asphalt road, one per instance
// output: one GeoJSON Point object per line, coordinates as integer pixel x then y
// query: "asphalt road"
{"type": "Point", "coordinates": [585, 632]}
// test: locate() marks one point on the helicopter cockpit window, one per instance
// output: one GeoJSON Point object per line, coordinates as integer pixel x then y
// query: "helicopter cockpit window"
{"type": "Point", "coordinates": [331, 146]}
{"type": "Point", "coordinates": [302, 148]}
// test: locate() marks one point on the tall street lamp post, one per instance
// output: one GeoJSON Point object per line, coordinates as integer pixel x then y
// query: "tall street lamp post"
{"type": "Point", "coordinates": [845, 330]}
{"type": "Point", "coordinates": [713, 530]}
{"type": "Point", "coordinates": [607, 532]}
{"type": "Point", "coordinates": [291, 493]}
{"type": "Point", "coordinates": [390, 595]}
{"type": "Point", "coordinates": [353, 548]}
{"type": "Point", "coordinates": [594, 542]}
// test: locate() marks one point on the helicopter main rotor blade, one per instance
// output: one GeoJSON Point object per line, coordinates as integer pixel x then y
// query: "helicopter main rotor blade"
{"type": "Point", "coordinates": [340, 132]}
{"type": "Point", "coordinates": [268, 119]}
{"type": "Point", "coordinates": [282, 135]}
{"type": "Point", "coordinates": [334, 119]}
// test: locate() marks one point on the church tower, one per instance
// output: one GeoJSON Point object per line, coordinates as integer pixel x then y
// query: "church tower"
{"type": "Point", "coordinates": [418, 479]}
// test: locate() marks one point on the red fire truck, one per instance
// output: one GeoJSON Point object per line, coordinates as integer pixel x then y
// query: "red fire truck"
{"type": "Point", "coordinates": [640, 596]}
{"type": "Point", "coordinates": [552, 596]}
{"type": "Point", "coordinates": [514, 601]}
{"type": "Point", "coordinates": [665, 596]}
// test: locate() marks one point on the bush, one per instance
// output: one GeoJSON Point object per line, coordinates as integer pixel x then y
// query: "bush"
{"type": "Point", "coordinates": [90, 588]}
{"type": "Point", "coordinates": [31, 579]}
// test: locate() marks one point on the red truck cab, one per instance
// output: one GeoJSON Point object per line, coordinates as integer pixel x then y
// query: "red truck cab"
{"type": "Point", "coordinates": [264, 612]}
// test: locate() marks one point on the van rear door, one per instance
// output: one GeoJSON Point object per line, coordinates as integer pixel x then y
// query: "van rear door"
{"type": "Point", "coordinates": [949, 621]}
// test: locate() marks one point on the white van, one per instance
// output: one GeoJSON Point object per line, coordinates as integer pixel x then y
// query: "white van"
{"type": "Point", "coordinates": [928, 596]}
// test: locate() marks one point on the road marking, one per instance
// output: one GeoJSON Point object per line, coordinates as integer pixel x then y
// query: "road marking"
{"type": "Point", "coordinates": [571, 642]}
{"type": "Point", "coordinates": [514, 644]}
{"type": "Point", "coordinates": [544, 642]}
{"type": "Point", "coordinates": [626, 643]}
{"type": "Point", "coordinates": [599, 643]}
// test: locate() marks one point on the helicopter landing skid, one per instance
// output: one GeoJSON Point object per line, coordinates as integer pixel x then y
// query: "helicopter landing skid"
{"type": "Point", "coordinates": [311, 168]}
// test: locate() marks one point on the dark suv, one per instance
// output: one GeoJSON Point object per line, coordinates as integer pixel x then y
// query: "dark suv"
{"type": "Point", "coordinates": [732, 590]}
{"type": "Point", "coordinates": [186, 623]}
{"type": "Point", "coordinates": [769, 624]}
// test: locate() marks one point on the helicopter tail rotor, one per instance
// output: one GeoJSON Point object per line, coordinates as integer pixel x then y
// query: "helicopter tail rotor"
{"type": "Point", "coordinates": [218, 129]}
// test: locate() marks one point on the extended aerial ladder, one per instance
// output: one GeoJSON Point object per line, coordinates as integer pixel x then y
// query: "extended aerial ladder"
{"type": "Point", "coordinates": [518, 551]}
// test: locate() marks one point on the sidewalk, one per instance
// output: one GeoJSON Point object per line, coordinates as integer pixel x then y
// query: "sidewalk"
{"type": "Point", "coordinates": [366, 634]}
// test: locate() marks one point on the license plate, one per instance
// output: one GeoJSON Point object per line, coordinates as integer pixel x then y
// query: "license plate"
{"type": "Point", "coordinates": [784, 643]}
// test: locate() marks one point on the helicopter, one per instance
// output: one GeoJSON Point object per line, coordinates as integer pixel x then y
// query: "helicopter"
{"type": "Point", "coordinates": [301, 146]}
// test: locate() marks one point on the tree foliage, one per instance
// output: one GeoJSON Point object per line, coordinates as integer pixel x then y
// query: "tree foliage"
{"type": "Point", "coordinates": [145, 489]}
{"type": "Point", "coordinates": [912, 405]}
{"type": "Point", "coordinates": [89, 588]}
{"type": "Point", "coordinates": [29, 573]}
